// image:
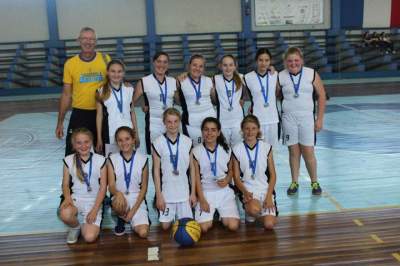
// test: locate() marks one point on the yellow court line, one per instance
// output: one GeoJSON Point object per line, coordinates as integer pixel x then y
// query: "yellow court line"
{"type": "Point", "coordinates": [376, 238]}
{"type": "Point", "coordinates": [333, 201]}
{"type": "Point", "coordinates": [396, 256]}
{"type": "Point", "coordinates": [358, 222]}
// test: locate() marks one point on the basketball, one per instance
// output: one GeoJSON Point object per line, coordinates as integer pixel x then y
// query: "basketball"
{"type": "Point", "coordinates": [186, 232]}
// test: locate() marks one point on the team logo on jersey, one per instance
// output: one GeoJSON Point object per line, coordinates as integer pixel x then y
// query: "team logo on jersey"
{"type": "Point", "coordinates": [91, 77]}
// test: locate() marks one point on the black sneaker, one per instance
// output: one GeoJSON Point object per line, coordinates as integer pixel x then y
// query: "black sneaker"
{"type": "Point", "coordinates": [316, 188]}
{"type": "Point", "coordinates": [119, 229]}
{"type": "Point", "coordinates": [294, 186]}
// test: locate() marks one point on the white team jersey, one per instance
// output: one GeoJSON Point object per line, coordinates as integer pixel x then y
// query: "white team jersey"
{"type": "Point", "coordinates": [304, 103]}
{"type": "Point", "coordinates": [197, 112]}
{"type": "Point", "coordinates": [175, 188]}
{"type": "Point", "coordinates": [260, 182]}
{"type": "Point", "coordinates": [152, 92]}
{"type": "Point", "coordinates": [226, 117]}
{"type": "Point", "coordinates": [118, 162]}
{"type": "Point", "coordinates": [208, 180]}
{"type": "Point", "coordinates": [265, 114]}
{"type": "Point", "coordinates": [115, 118]}
{"type": "Point", "coordinates": [79, 188]}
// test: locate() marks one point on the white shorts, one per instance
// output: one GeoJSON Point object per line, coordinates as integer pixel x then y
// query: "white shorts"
{"type": "Point", "coordinates": [260, 196]}
{"type": "Point", "coordinates": [177, 210]}
{"type": "Point", "coordinates": [195, 134]}
{"type": "Point", "coordinates": [298, 129]}
{"type": "Point", "coordinates": [222, 200]}
{"type": "Point", "coordinates": [84, 206]}
{"type": "Point", "coordinates": [232, 134]}
{"type": "Point", "coordinates": [270, 134]}
{"type": "Point", "coordinates": [141, 216]}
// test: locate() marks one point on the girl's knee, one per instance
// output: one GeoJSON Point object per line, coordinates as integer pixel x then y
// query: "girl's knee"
{"type": "Point", "coordinates": [205, 227]}
{"type": "Point", "coordinates": [269, 223]}
{"type": "Point", "coordinates": [142, 231]}
{"type": "Point", "coordinates": [90, 236]}
{"type": "Point", "coordinates": [68, 215]}
{"type": "Point", "coordinates": [165, 226]}
{"type": "Point", "coordinates": [233, 224]}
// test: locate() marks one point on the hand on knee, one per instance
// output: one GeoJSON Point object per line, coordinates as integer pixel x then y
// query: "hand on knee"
{"type": "Point", "coordinates": [253, 208]}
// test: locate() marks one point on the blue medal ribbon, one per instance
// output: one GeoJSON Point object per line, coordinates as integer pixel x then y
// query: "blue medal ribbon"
{"type": "Point", "coordinates": [230, 95]}
{"type": "Point", "coordinates": [197, 91]}
{"type": "Point", "coordinates": [174, 157]}
{"type": "Point", "coordinates": [296, 86]}
{"type": "Point", "coordinates": [86, 176]}
{"type": "Point", "coordinates": [128, 175]}
{"type": "Point", "coordinates": [163, 94]}
{"type": "Point", "coordinates": [213, 165]}
{"type": "Point", "coordinates": [264, 90]}
{"type": "Point", "coordinates": [119, 102]}
{"type": "Point", "coordinates": [252, 163]}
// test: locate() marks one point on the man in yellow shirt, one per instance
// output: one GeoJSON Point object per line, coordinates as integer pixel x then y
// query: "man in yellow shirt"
{"type": "Point", "coordinates": [83, 75]}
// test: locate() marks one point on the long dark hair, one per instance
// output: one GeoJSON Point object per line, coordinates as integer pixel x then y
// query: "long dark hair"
{"type": "Point", "coordinates": [221, 138]}
{"type": "Point", "coordinates": [261, 51]}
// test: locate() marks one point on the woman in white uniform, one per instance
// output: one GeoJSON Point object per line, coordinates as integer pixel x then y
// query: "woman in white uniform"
{"type": "Point", "coordinates": [213, 170]}
{"type": "Point", "coordinates": [298, 86]}
{"type": "Point", "coordinates": [172, 161]}
{"type": "Point", "coordinates": [261, 84]}
{"type": "Point", "coordinates": [158, 90]}
{"type": "Point", "coordinates": [114, 108]}
{"type": "Point", "coordinates": [254, 174]}
{"type": "Point", "coordinates": [84, 186]}
{"type": "Point", "coordinates": [127, 182]}
{"type": "Point", "coordinates": [195, 96]}
{"type": "Point", "coordinates": [229, 89]}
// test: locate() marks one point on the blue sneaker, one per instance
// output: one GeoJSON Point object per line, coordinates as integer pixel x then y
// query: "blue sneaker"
{"type": "Point", "coordinates": [316, 188]}
{"type": "Point", "coordinates": [292, 190]}
{"type": "Point", "coordinates": [119, 229]}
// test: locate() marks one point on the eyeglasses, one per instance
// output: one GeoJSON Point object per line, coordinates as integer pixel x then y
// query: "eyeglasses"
{"type": "Point", "coordinates": [87, 39]}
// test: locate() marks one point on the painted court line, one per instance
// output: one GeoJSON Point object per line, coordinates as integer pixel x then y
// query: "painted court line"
{"type": "Point", "coordinates": [358, 222]}
{"type": "Point", "coordinates": [376, 238]}
{"type": "Point", "coordinates": [396, 256]}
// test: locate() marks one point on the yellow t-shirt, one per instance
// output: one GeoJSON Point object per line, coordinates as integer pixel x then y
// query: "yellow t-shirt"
{"type": "Point", "coordinates": [85, 78]}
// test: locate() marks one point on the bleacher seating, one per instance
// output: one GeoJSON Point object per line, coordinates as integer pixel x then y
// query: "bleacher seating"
{"type": "Point", "coordinates": [33, 64]}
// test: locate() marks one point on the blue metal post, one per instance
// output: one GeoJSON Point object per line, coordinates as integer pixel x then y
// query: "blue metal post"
{"type": "Point", "coordinates": [52, 21]}
{"type": "Point", "coordinates": [151, 37]}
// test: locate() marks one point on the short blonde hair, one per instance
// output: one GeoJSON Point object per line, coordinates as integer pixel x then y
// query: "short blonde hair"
{"type": "Point", "coordinates": [293, 50]}
{"type": "Point", "coordinates": [171, 111]}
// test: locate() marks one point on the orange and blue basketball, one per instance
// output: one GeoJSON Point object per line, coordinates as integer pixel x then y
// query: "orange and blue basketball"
{"type": "Point", "coordinates": [186, 232]}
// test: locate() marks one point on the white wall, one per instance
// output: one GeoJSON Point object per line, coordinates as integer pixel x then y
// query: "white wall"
{"type": "Point", "coordinates": [377, 13]}
{"type": "Point", "coordinates": [110, 18]}
{"type": "Point", "coordinates": [196, 16]}
{"type": "Point", "coordinates": [23, 20]}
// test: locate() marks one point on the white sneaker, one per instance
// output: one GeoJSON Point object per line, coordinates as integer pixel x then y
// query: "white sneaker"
{"type": "Point", "coordinates": [250, 219]}
{"type": "Point", "coordinates": [73, 235]}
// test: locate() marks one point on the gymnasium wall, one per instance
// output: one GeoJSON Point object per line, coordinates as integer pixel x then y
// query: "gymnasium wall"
{"type": "Point", "coordinates": [194, 16]}
{"type": "Point", "coordinates": [26, 20]}
{"type": "Point", "coordinates": [109, 18]}
{"type": "Point", "coordinates": [23, 20]}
